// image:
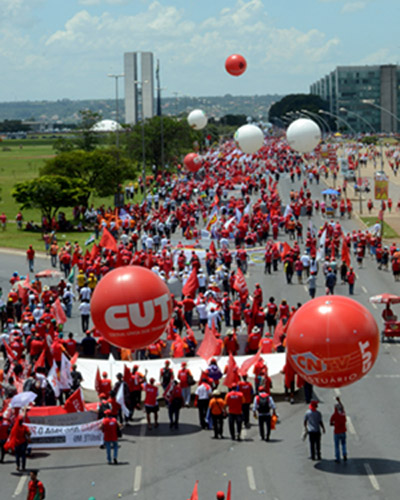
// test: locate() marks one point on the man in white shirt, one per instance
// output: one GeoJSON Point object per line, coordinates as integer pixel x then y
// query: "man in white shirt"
{"type": "Point", "coordinates": [84, 309]}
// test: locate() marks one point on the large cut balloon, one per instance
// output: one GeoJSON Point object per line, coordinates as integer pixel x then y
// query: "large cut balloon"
{"type": "Point", "coordinates": [303, 135]}
{"type": "Point", "coordinates": [235, 65]}
{"type": "Point", "coordinates": [250, 138]}
{"type": "Point", "coordinates": [131, 307]}
{"type": "Point", "coordinates": [332, 341]}
{"type": "Point", "coordinates": [197, 119]}
{"type": "Point", "coordinates": [193, 162]}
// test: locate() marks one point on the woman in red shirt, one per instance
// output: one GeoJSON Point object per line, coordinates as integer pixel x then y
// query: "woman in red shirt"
{"type": "Point", "coordinates": [150, 402]}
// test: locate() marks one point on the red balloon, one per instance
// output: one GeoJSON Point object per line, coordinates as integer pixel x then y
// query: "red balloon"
{"type": "Point", "coordinates": [193, 162]}
{"type": "Point", "coordinates": [235, 65]}
{"type": "Point", "coordinates": [131, 307]}
{"type": "Point", "coordinates": [332, 341]}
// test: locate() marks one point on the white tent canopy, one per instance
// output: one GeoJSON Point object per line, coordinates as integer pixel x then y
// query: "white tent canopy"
{"type": "Point", "coordinates": [106, 126]}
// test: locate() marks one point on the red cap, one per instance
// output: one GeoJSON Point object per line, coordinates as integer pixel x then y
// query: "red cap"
{"type": "Point", "coordinates": [220, 495]}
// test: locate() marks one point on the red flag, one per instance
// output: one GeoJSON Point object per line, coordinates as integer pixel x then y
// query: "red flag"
{"type": "Point", "coordinates": [58, 312]}
{"type": "Point", "coordinates": [12, 438]}
{"type": "Point", "coordinates": [228, 492]}
{"type": "Point", "coordinates": [75, 402]}
{"type": "Point", "coordinates": [97, 381]}
{"type": "Point", "coordinates": [232, 375]}
{"type": "Point", "coordinates": [213, 250]}
{"type": "Point", "coordinates": [208, 345]}
{"type": "Point", "coordinates": [240, 284]}
{"type": "Point", "coordinates": [75, 259]}
{"type": "Point", "coordinates": [41, 361]}
{"type": "Point", "coordinates": [127, 374]}
{"type": "Point", "coordinates": [23, 295]}
{"type": "Point", "coordinates": [74, 359]}
{"type": "Point", "coordinates": [195, 494]}
{"type": "Point", "coordinates": [345, 253]}
{"type": "Point", "coordinates": [216, 200]}
{"type": "Point", "coordinates": [279, 330]}
{"type": "Point", "coordinates": [246, 365]}
{"type": "Point", "coordinates": [95, 252]}
{"type": "Point", "coordinates": [285, 249]}
{"type": "Point", "coordinates": [108, 241]}
{"type": "Point", "coordinates": [11, 355]}
{"type": "Point", "coordinates": [178, 347]}
{"type": "Point", "coordinates": [192, 284]}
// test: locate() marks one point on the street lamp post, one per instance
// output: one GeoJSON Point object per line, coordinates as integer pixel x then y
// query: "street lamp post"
{"type": "Point", "coordinates": [319, 120]}
{"type": "Point", "coordinates": [141, 83]}
{"type": "Point", "coordinates": [370, 102]}
{"type": "Point", "coordinates": [357, 146]}
{"type": "Point", "coordinates": [116, 106]}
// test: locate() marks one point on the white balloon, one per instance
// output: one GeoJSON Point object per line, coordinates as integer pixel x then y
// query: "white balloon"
{"type": "Point", "coordinates": [250, 138]}
{"type": "Point", "coordinates": [197, 119]}
{"type": "Point", "coordinates": [303, 135]}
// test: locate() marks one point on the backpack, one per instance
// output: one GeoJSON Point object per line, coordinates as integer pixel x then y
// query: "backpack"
{"type": "Point", "coordinates": [37, 490]}
{"type": "Point", "coordinates": [166, 376]}
{"type": "Point", "coordinates": [263, 403]}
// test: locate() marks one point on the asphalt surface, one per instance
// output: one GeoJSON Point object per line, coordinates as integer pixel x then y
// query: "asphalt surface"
{"type": "Point", "coordinates": [164, 464]}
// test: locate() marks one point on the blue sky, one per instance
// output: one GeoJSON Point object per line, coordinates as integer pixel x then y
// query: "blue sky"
{"type": "Point", "coordinates": [55, 49]}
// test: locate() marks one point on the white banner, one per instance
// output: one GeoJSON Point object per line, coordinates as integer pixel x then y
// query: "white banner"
{"type": "Point", "coordinates": [66, 436]}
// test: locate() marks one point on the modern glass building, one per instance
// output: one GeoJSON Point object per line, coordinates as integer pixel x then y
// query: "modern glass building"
{"type": "Point", "coordinates": [139, 88]}
{"type": "Point", "coordinates": [367, 97]}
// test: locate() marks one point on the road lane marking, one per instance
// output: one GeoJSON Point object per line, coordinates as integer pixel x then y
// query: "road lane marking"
{"type": "Point", "coordinates": [364, 289]}
{"type": "Point", "coordinates": [20, 486]}
{"type": "Point", "coordinates": [244, 433]}
{"type": "Point", "coordinates": [394, 360]}
{"type": "Point", "coordinates": [374, 305]}
{"type": "Point", "coordinates": [137, 479]}
{"type": "Point", "coordinates": [388, 376]}
{"type": "Point", "coordinates": [250, 478]}
{"type": "Point", "coordinates": [372, 477]}
{"type": "Point", "coordinates": [143, 427]}
{"type": "Point", "coordinates": [337, 392]}
{"type": "Point", "coordinates": [305, 288]}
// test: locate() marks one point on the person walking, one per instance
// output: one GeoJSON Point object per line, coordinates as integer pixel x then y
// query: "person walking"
{"type": "Point", "coordinates": [21, 435]}
{"type": "Point", "coordinates": [4, 432]}
{"type": "Point", "coordinates": [263, 405]}
{"type": "Point", "coordinates": [338, 421]}
{"type": "Point", "coordinates": [217, 411]}
{"type": "Point", "coordinates": [185, 378]}
{"type": "Point", "coordinates": [30, 257]}
{"type": "Point", "coordinates": [110, 427]}
{"type": "Point", "coordinates": [313, 424]}
{"type": "Point", "coordinates": [234, 403]}
{"type": "Point", "coordinates": [36, 490]}
{"type": "Point", "coordinates": [202, 399]}
{"type": "Point", "coordinates": [351, 279]}
{"type": "Point", "coordinates": [330, 282]}
{"type": "Point", "coordinates": [175, 403]}
{"type": "Point", "coordinates": [84, 309]}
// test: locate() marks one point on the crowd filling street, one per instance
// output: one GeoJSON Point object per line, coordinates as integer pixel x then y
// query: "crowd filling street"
{"type": "Point", "coordinates": [204, 234]}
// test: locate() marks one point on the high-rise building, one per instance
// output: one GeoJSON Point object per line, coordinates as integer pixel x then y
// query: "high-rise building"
{"type": "Point", "coordinates": [367, 97]}
{"type": "Point", "coordinates": [139, 88]}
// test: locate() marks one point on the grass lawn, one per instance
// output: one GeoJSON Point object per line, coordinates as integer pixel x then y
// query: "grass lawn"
{"type": "Point", "coordinates": [388, 231]}
{"type": "Point", "coordinates": [13, 238]}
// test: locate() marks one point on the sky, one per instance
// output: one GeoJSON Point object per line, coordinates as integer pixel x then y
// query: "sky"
{"type": "Point", "coordinates": [64, 49]}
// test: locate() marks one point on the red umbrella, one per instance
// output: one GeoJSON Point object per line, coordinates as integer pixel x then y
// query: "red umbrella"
{"type": "Point", "coordinates": [385, 298]}
{"type": "Point", "coordinates": [48, 273]}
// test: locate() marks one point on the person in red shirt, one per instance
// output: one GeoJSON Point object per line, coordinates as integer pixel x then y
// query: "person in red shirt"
{"type": "Point", "coordinates": [4, 431]}
{"type": "Point", "coordinates": [30, 257]}
{"type": "Point", "coordinates": [105, 385]}
{"type": "Point", "coordinates": [245, 387]}
{"type": "Point", "coordinates": [185, 378]}
{"type": "Point", "coordinates": [272, 310]}
{"type": "Point", "coordinates": [231, 344]}
{"type": "Point", "coordinates": [70, 345]}
{"type": "Point", "coordinates": [253, 341]}
{"type": "Point", "coordinates": [188, 306]}
{"type": "Point", "coordinates": [21, 436]}
{"type": "Point", "coordinates": [234, 404]}
{"type": "Point", "coordinates": [109, 427]}
{"type": "Point", "coordinates": [338, 421]}
{"type": "Point", "coordinates": [104, 347]}
{"type": "Point", "coordinates": [266, 344]}
{"type": "Point", "coordinates": [150, 402]}
{"type": "Point", "coordinates": [135, 389]}
{"type": "Point", "coordinates": [35, 487]}
{"type": "Point", "coordinates": [174, 399]}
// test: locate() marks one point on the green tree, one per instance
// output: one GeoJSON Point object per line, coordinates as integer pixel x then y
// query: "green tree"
{"type": "Point", "coordinates": [103, 170]}
{"type": "Point", "coordinates": [299, 102]}
{"type": "Point", "coordinates": [178, 140]}
{"type": "Point", "coordinates": [85, 138]}
{"type": "Point", "coordinates": [50, 192]}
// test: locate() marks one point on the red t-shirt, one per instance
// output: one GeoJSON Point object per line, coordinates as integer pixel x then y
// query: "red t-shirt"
{"type": "Point", "coordinates": [338, 420]}
{"type": "Point", "coordinates": [183, 377]}
{"type": "Point", "coordinates": [110, 427]}
{"type": "Point", "coordinates": [105, 386]}
{"type": "Point", "coordinates": [35, 487]}
{"type": "Point", "coordinates": [266, 345]}
{"type": "Point", "coordinates": [151, 393]}
{"type": "Point", "coordinates": [247, 390]}
{"type": "Point", "coordinates": [234, 401]}
{"type": "Point", "coordinates": [21, 435]}
{"type": "Point", "coordinates": [4, 428]}
{"type": "Point", "coordinates": [70, 346]}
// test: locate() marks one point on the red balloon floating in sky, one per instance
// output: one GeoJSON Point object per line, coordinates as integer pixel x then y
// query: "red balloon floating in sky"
{"type": "Point", "coordinates": [332, 341]}
{"type": "Point", "coordinates": [131, 307]}
{"type": "Point", "coordinates": [193, 162]}
{"type": "Point", "coordinates": [235, 65]}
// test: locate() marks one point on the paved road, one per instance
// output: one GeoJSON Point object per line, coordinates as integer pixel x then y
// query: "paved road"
{"type": "Point", "coordinates": [164, 464]}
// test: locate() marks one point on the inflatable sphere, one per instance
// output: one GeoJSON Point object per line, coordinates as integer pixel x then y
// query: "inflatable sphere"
{"type": "Point", "coordinates": [131, 307]}
{"type": "Point", "coordinates": [197, 119]}
{"type": "Point", "coordinates": [235, 65]}
{"type": "Point", "coordinates": [193, 162]}
{"type": "Point", "coordinates": [250, 138]}
{"type": "Point", "coordinates": [303, 135]}
{"type": "Point", "coordinates": [332, 341]}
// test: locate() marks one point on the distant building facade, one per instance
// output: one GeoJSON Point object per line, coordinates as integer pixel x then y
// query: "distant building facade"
{"type": "Point", "coordinates": [347, 87]}
{"type": "Point", "coordinates": [139, 88]}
